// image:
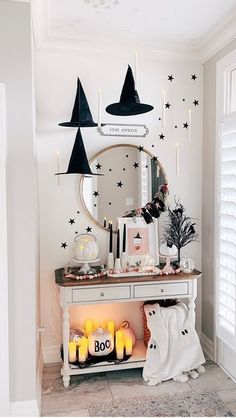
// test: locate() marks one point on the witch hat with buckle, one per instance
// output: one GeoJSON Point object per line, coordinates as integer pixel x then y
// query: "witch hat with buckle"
{"type": "Point", "coordinates": [129, 103]}
{"type": "Point", "coordinates": [78, 163]}
{"type": "Point", "coordinates": [81, 114]}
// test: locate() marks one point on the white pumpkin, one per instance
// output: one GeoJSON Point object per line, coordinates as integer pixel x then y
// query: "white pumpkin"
{"type": "Point", "coordinates": [100, 342]}
{"type": "Point", "coordinates": [127, 332]}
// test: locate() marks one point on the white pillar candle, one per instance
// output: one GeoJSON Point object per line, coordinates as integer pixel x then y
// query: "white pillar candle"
{"type": "Point", "coordinates": [120, 350]}
{"type": "Point", "coordinates": [128, 346]}
{"type": "Point", "coordinates": [58, 167]}
{"type": "Point", "coordinates": [100, 108]}
{"type": "Point", "coordinates": [177, 159]}
{"type": "Point", "coordinates": [82, 354]}
{"type": "Point", "coordinates": [189, 125]}
{"type": "Point", "coordinates": [163, 109]}
{"type": "Point", "coordinates": [136, 69]}
{"type": "Point", "coordinates": [72, 351]}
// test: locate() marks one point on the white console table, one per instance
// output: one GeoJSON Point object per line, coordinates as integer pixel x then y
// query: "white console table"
{"type": "Point", "coordinates": [125, 289]}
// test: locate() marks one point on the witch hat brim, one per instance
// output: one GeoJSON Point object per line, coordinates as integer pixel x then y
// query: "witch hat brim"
{"type": "Point", "coordinates": [129, 103]}
{"type": "Point", "coordinates": [81, 114]}
{"type": "Point", "coordinates": [78, 163]}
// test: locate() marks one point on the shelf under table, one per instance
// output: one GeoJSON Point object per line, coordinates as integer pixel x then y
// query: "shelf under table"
{"type": "Point", "coordinates": [136, 360]}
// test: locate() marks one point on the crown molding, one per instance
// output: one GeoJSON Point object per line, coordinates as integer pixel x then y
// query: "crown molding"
{"type": "Point", "coordinates": [47, 39]}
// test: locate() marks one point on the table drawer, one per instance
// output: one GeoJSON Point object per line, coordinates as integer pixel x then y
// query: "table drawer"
{"type": "Point", "coordinates": [159, 289]}
{"type": "Point", "coordinates": [100, 294]}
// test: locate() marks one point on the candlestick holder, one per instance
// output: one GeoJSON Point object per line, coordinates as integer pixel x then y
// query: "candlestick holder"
{"type": "Point", "coordinates": [110, 261]}
{"type": "Point", "coordinates": [124, 260]}
{"type": "Point", "coordinates": [117, 267]}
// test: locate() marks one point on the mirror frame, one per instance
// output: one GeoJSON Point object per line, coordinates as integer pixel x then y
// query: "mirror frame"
{"type": "Point", "coordinates": [94, 158]}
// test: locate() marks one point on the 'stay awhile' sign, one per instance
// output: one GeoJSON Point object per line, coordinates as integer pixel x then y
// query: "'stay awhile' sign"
{"type": "Point", "coordinates": [113, 129]}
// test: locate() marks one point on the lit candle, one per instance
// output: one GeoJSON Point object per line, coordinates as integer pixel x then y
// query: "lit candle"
{"type": "Point", "coordinates": [136, 69]}
{"type": "Point", "coordinates": [189, 125]}
{"type": "Point", "coordinates": [58, 168]}
{"type": "Point", "coordinates": [118, 244]}
{"type": "Point", "coordinates": [124, 238]}
{"type": "Point", "coordinates": [111, 327]}
{"type": "Point", "coordinates": [99, 108]}
{"type": "Point", "coordinates": [95, 325]}
{"type": "Point", "coordinates": [120, 350]}
{"type": "Point", "coordinates": [82, 354]}
{"type": "Point", "coordinates": [164, 110]}
{"type": "Point", "coordinates": [128, 346]}
{"type": "Point", "coordinates": [110, 242]}
{"type": "Point", "coordinates": [72, 351]}
{"type": "Point", "coordinates": [84, 344]}
{"type": "Point", "coordinates": [177, 159]}
{"type": "Point", "coordinates": [105, 222]}
{"type": "Point", "coordinates": [119, 336]}
{"type": "Point", "coordinates": [88, 326]}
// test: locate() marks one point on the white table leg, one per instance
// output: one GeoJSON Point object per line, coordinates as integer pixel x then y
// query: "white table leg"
{"type": "Point", "coordinates": [66, 331]}
{"type": "Point", "coordinates": [191, 302]}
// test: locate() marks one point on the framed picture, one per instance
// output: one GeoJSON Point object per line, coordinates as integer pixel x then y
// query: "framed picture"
{"type": "Point", "coordinates": [140, 241]}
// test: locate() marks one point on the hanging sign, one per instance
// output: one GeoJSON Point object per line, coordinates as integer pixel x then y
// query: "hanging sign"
{"type": "Point", "coordinates": [113, 129]}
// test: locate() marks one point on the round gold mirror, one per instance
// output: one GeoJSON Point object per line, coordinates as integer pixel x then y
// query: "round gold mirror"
{"type": "Point", "coordinates": [132, 176]}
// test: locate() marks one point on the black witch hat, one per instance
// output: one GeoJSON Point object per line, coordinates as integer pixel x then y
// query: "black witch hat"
{"type": "Point", "coordinates": [78, 163]}
{"type": "Point", "coordinates": [81, 114]}
{"type": "Point", "coordinates": [129, 103]}
{"type": "Point", "coordinates": [138, 236]}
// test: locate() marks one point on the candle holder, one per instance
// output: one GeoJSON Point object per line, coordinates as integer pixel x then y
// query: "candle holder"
{"type": "Point", "coordinates": [110, 261]}
{"type": "Point", "coordinates": [124, 260]}
{"type": "Point", "coordinates": [117, 267]}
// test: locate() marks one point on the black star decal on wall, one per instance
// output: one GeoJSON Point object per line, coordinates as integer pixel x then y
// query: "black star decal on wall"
{"type": "Point", "coordinates": [152, 145]}
{"type": "Point", "coordinates": [123, 169]}
{"type": "Point", "coordinates": [159, 118]}
{"type": "Point", "coordinates": [196, 102]}
{"type": "Point", "coordinates": [183, 100]}
{"type": "Point", "coordinates": [161, 136]}
{"type": "Point", "coordinates": [110, 169]}
{"type": "Point", "coordinates": [119, 184]}
{"type": "Point", "coordinates": [176, 126]}
{"type": "Point", "coordinates": [95, 205]}
{"type": "Point", "coordinates": [71, 221]}
{"type": "Point", "coordinates": [185, 125]}
{"type": "Point", "coordinates": [98, 166]}
{"type": "Point", "coordinates": [95, 193]}
{"type": "Point", "coordinates": [64, 245]}
{"type": "Point", "coordinates": [88, 229]}
{"type": "Point", "coordinates": [126, 155]}
{"type": "Point", "coordinates": [193, 77]}
{"type": "Point", "coordinates": [76, 232]}
{"type": "Point", "coordinates": [170, 78]}
{"type": "Point", "coordinates": [146, 166]}
{"type": "Point", "coordinates": [109, 203]}
{"type": "Point", "coordinates": [78, 211]}
{"type": "Point", "coordinates": [154, 158]}
{"type": "Point", "coordinates": [140, 148]}
{"type": "Point", "coordinates": [167, 105]}
{"type": "Point", "coordinates": [135, 165]}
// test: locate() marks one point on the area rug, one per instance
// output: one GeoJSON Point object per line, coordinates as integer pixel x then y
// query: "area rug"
{"type": "Point", "coordinates": [185, 404]}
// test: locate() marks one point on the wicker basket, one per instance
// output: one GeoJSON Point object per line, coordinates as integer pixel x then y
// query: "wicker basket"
{"type": "Point", "coordinates": [164, 303]}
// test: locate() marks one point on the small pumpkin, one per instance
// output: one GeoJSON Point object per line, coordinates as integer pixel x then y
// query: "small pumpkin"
{"type": "Point", "coordinates": [100, 342]}
{"type": "Point", "coordinates": [127, 331]}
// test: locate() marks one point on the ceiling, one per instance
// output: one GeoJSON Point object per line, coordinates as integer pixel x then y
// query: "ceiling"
{"type": "Point", "coordinates": [184, 23]}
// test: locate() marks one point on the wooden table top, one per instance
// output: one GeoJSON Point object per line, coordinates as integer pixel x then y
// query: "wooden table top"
{"type": "Point", "coordinates": [106, 280]}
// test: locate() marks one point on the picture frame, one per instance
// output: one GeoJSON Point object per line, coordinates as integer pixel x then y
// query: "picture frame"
{"type": "Point", "coordinates": [141, 239]}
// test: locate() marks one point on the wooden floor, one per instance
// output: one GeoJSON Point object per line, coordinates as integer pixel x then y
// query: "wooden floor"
{"type": "Point", "coordinates": [73, 401]}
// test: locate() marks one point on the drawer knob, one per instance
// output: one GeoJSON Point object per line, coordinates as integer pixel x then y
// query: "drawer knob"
{"type": "Point", "coordinates": [101, 294]}
{"type": "Point", "coordinates": [162, 290]}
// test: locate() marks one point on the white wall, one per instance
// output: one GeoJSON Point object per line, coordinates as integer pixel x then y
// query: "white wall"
{"type": "Point", "coordinates": [16, 73]}
{"type": "Point", "coordinates": [57, 71]}
{"type": "Point", "coordinates": [209, 138]}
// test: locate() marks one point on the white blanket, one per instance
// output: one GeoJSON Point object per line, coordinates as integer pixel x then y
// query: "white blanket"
{"type": "Point", "coordinates": [174, 345]}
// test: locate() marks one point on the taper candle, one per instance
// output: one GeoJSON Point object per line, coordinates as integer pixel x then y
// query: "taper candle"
{"type": "Point", "coordinates": [58, 168]}
{"type": "Point", "coordinates": [189, 125]}
{"type": "Point", "coordinates": [99, 108]}
{"type": "Point", "coordinates": [177, 159]}
{"type": "Point", "coordinates": [111, 327]}
{"type": "Point", "coordinates": [84, 343]}
{"type": "Point", "coordinates": [164, 110]}
{"type": "Point", "coordinates": [118, 244]}
{"type": "Point", "coordinates": [119, 336]}
{"type": "Point", "coordinates": [105, 222]}
{"type": "Point", "coordinates": [111, 237]}
{"type": "Point", "coordinates": [136, 69]}
{"type": "Point", "coordinates": [124, 238]}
